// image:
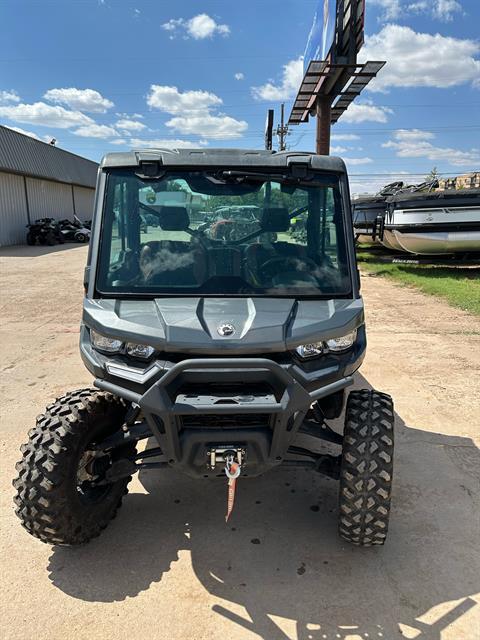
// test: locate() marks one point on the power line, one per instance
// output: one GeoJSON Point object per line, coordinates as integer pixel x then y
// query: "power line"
{"type": "Point", "coordinates": [403, 174]}
{"type": "Point", "coordinates": [150, 58]}
{"type": "Point", "coordinates": [261, 104]}
{"type": "Point", "coordinates": [259, 134]}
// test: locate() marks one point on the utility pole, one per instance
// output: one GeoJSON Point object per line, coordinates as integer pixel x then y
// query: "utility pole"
{"type": "Point", "coordinates": [269, 129]}
{"type": "Point", "coordinates": [282, 130]}
{"type": "Point", "coordinates": [324, 114]}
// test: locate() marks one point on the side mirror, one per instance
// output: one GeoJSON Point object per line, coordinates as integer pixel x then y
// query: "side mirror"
{"type": "Point", "coordinates": [275, 219]}
{"type": "Point", "coordinates": [174, 218]}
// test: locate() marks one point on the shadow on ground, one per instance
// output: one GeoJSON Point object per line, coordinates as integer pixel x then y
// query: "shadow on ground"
{"type": "Point", "coordinates": [280, 556]}
{"type": "Point", "coordinates": [26, 251]}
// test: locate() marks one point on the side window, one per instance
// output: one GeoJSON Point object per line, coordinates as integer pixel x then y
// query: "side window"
{"type": "Point", "coordinates": [330, 230]}
{"type": "Point", "coordinates": [118, 223]}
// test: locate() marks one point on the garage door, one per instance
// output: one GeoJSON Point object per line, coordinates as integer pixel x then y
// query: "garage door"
{"type": "Point", "coordinates": [84, 202]}
{"type": "Point", "coordinates": [49, 199]}
{"type": "Point", "coordinates": [13, 210]}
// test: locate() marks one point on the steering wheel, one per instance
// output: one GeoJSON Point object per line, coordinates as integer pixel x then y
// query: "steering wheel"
{"type": "Point", "coordinates": [271, 267]}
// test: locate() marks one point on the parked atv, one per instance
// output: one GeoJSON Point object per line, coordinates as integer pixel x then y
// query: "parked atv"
{"type": "Point", "coordinates": [74, 231]}
{"type": "Point", "coordinates": [231, 352]}
{"type": "Point", "coordinates": [44, 231]}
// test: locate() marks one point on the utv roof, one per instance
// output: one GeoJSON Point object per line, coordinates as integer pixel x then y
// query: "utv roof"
{"type": "Point", "coordinates": [223, 157]}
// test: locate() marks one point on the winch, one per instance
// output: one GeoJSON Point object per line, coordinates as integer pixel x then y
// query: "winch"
{"type": "Point", "coordinates": [219, 454]}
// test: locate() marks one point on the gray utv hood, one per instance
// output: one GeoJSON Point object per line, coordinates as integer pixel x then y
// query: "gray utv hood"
{"type": "Point", "coordinates": [262, 325]}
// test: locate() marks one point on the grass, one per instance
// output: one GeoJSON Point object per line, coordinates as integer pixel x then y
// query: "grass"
{"type": "Point", "coordinates": [458, 285]}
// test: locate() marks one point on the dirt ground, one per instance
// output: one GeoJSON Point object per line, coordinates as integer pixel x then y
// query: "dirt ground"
{"type": "Point", "coordinates": [169, 568]}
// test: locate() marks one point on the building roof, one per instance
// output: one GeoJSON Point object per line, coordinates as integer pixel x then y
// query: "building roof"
{"type": "Point", "coordinates": [27, 156]}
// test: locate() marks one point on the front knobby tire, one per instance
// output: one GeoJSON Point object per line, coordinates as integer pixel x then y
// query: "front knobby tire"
{"type": "Point", "coordinates": [367, 468]}
{"type": "Point", "coordinates": [53, 504]}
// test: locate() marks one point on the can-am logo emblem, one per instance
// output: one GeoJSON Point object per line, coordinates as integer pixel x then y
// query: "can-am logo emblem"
{"type": "Point", "coordinates": [226, 330]}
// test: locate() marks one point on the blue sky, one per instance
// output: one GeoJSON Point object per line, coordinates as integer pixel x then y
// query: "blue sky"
{"type": "Point", "coordinates": [106, 75]}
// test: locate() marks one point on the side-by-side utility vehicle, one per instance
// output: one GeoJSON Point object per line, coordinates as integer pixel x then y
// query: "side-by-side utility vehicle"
{"type": "Point", "coordinates": [230, 352]}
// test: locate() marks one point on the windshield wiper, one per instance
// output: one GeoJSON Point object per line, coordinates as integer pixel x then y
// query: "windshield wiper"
{"type": "Point", "coordinates": [309, 178]}
{"type": "Point", "coordinates": [251, 175]}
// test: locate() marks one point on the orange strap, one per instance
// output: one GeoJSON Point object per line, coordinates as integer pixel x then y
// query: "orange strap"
{"type": "Point", "coordinates": [232, 485]}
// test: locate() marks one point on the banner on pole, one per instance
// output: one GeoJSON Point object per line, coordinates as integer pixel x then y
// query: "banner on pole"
{"type": "Point", "coordinates": [322, 33]}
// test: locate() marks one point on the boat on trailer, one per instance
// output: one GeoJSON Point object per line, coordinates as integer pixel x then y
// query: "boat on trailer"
{"type": "Point", "coordinates": [369, 213]}
{"type": "Point", "coordinates": [434, 222]}
{"type": "Point", "coordinates": [366, 212]}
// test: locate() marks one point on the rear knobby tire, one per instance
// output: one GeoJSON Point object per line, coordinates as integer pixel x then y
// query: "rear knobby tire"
{"type": "Point", "coordinates": [367, 468]}
{"type": "Point", "coordinates": [49, 502]}
{"type": "Point", "coordinates": [50, 239]}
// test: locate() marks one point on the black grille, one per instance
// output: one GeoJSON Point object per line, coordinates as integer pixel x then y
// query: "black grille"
{"type": "Point", "coordinates": [226, 421]}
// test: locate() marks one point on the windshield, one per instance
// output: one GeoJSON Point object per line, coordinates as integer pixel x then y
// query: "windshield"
{"type": "Point", "coordinates": [208, 233]}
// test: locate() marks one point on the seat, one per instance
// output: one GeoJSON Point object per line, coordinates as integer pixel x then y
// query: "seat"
{"type": "Point", "coordinates": [172, 263]}
{"type": "Point", "coordinates": [258, 254]}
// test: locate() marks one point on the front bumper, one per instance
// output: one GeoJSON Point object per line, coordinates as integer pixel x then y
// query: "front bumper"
{"type": "Point", "coordinates": [264, 425]}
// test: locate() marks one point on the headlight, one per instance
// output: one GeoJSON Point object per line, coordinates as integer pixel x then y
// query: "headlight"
{"type": "Point", "coordinates": [102, 343]}
{"type": "Point", "coordinates": [112, 345]}
{"type": "Point", "coordinates": [343, 343]}
{"type": "Point", "coordinates": [310, 350]}
{"type": "Point", "coordinates": [142, 351]}
{"type": "Point", "coordinates": [334, 345]}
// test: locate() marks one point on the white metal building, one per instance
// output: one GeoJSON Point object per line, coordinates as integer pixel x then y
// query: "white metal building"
{"type": "Point", "coordinates": [39, 180]}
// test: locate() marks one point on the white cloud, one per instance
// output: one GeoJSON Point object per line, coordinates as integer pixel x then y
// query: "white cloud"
{"type": "Point", "coordinates": [194, 113]}
{"type": "Point", "coordinates": [118, 141]}
{"type": "Point", "coordinates": [129, 116]}
{"type": "Point", "coordinates": [390, 8]}
{"type": "Point", "coordinates": [292, 76]}
{"type": "Point", "coordinates": [199, 27]}
{"type": "Point", "coordinates": [415, 143]}
{"type": "Point", "coordinates": [355, 161]}
{"type": "Point", "coordinates": [438, 9]}
{"type": "Point", "coordinates": [8, 97]}
{"type": "Point", "coordinates": [125, 124]}
{"type": "Point", "coordinates": [419, 7]}
{"type": "Point", "coordinates": [208, 126]}
{"type": "Point", "coordinates": [420, 59]}
{"type": "Point", "coordinates": [366, 113]}
{"type": "Point", "coordinates": [444, 9]}
{"type": "Point", "coordinates": [79, 99]}
{"type": "Point", "coordinates": [96, 131]}
{"type": "Point", "coordinates": [45, 115]}
{"type": "Point", "coordinates": [173, 24]}
{"type": "Point", "coordinates": [412, 135]}
{"type": "Point", "coordinates": [345, 136]}
{"type": "Point", "coordinates": [171, 100]}
{"type": "Point", "coordinates": [162, 144]}
{"type": "Point", "coordinates": [336, 150]}
{"type": "Point", "coordinates": [239, 76]}
{"type": "Point", "coordinates": [203, 26]}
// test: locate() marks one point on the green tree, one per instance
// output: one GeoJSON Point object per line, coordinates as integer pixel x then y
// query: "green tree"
{"type": "Point", "coordinates": [433, 175]}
